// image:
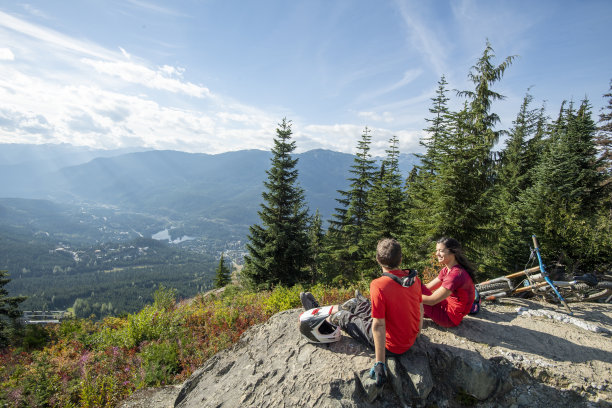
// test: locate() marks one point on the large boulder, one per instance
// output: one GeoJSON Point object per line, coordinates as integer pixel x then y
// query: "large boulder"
{"type": "Point", "coordinates": [499, 358]}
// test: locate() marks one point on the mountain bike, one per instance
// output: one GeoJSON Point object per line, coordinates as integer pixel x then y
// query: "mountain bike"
{"type": "Point", "coordinates": [536, 280]}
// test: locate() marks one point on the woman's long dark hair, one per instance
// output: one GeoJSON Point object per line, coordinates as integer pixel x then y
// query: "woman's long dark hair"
{"type": "Point", "coordinates": [455, 247]}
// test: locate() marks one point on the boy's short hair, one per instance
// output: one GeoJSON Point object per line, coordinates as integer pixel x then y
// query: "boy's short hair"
{"type": "Point", "coordinates": [389, 253]}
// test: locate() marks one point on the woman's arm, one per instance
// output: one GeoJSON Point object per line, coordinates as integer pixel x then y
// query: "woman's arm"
{"type": "Point", "coordinates": [439, 295]}
{"type": "Point", "coordinates": [379, 334]}
{"type": "Point", "coordinates": [433, 284]}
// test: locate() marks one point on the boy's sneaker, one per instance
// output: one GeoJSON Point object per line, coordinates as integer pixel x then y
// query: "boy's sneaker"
{"type": "Point", "coordinates": [359, 296]}
{"type": "Point", "coordinates": [308, 301]}
{"type": "Point", "coordinates": [335, 318]}
{"type": "Point", "coordinates": [349, 305]}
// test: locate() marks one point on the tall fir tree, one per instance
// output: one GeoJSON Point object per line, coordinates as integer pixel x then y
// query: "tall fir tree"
{"type": "Point", "coordinates": [346, 228]}
{"type": "Point", "coordinates": [463, 192]}
{"type": "Point", "coordinates": [514, 176]}
{"type": "Point", "coordinates": [387, 208]}
{"type": "Point", "coordinates": [567, 191]}
{"type": "Point", "coordinates": [420, 220]}
{"type": "Point", "coordinates": [9, 310]}
{"type": "Point", "coordinates": [279, 248]}
{"type": "Point", "coordinates": [316, 255]}
{"type": "Point", "coordinates": [222, 274]}
{"type": "Point", "coordinates": [603, 140]}
{"type": "Point", "coordinates": [483, 75]}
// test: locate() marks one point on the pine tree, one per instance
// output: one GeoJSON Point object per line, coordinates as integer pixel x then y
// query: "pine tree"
{"type": "Point", "coordinates": [387, 205]}
{"type": "Point", "coordinates": [9, 309]}
{"type": "Point", "coordinates": [568, 192]}
{"type": "Point", "coordinates": [420, 220]}
{"type": "Point", "coordinates": [603, 140]}
{"type": "Point", "coordinates": [483, 75]}
{"type": "Point", "coordinates": [514, 176]}
{"type": "Point", "coordinates": [316, 239]}
{"type": "Point", "coordinates": [463, 193]}
{"type": "Point", "coordinates": [346, 228]}
{"type": "Point", "coordinates": [279, 248]}
{"type": "Point", "coordinates": [223, 274]}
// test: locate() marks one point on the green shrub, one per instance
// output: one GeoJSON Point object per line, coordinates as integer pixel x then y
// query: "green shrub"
{"type": "Point", "coordinates": [34, 337]}
{"type": "Point", "coordinates": [283, 298]}
{"type": "Point", "coordinates": [164, 298]}
{"type": "Point", "coordinates": [99, 391]}
{"type": "Point", "coordinates": [160, 362]}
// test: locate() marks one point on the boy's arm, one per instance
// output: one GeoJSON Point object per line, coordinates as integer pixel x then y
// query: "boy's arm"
{"type": "Point", "coordinates": [421, 320]}
{"type": "Point", "coordinates": [379, 334]}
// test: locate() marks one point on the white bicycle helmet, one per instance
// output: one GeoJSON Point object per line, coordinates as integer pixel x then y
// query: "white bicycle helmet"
{"type": "Point", "coordinates": [316, 329]}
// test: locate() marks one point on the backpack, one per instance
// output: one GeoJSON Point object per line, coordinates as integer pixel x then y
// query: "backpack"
{"type": "Point", "coordinates": [406, 281]}
{"type": "Point", "coordinates": [476, 305]}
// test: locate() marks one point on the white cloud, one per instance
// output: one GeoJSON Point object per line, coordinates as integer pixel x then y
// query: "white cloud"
{"type": "Point", "coordinates": [344, 138]}
{"type": "Point", "coordinates": [140, 74]}
{"type": "Point", "coordinates": [6, 54]}
{"type": "Point", "coordinates": [87, 114]}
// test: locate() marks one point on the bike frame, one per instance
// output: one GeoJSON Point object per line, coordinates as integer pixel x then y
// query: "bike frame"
{"type": "Point", "coordinates": [545, 274]}
{"type": "Point", "coordinates": [535, 280]}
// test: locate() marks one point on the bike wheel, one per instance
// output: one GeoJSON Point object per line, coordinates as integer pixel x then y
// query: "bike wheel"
{"type": "Point", "coordinates": [490, 287]}
{"type": "Point", "coordinates": [581, 292]}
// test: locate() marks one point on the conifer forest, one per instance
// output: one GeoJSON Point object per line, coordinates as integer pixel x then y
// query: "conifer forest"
{"type": "Point", "coordinates": [548, 175]}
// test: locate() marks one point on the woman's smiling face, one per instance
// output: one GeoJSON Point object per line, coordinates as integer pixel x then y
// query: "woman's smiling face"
{"type": "Point", "coordinates": [445, 257]}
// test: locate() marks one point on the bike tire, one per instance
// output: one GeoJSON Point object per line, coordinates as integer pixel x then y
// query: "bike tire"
{"type": "Point", "coordinates": [497, 286]}
{"type": "Point", "coordinates": [581, 292]}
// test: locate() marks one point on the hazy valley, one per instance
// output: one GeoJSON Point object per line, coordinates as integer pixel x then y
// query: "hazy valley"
{"type": "Point", "coordinates": [78, 224]}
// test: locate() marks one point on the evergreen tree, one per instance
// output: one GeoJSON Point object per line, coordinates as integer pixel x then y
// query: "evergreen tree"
{"type": "Point", "coordinates": [420, 220]}
{"type": "Point", "coordinates": [316, 239]}
{"type": "Point", "coordinates": [603, 140]}
{"type": "Point", "coordinates": [387, 206]}
{"type": "Point", "coordinates": [567, 191]}
{"type": "Point", "coordinates": [514, 177]}
{"type": "Point", "coordinates": [483, 75]}
{"type": "Point", "coordinates": [346, 228]}
{"type": "Point", "coordinates": [222, 274]}
{"type": "Point", "coordinates": [9, 310]}
{"type": "Point", "coordinates": [463, 193]}
{"type": "Point", "coordinates": [279, 248]}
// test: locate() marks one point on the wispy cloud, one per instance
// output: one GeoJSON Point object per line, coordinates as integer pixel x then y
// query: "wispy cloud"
{"type": "Point", "coordinates": [156, 8]}
{"type": "Point", "coordinates": [53, 37]}
{"type": "Point", "coordinates": [409, 76]}
{"type": "Point", "coordinates": [422, 38]}
{"type": "Point", "coordinates": [156, 79]}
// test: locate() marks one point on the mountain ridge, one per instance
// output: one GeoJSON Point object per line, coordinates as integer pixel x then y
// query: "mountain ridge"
{"type": "Point", "coordinates": [224, 186]}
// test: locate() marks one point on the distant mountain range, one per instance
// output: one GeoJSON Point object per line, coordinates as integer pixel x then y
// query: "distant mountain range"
{"type": "Point", "coordinates": [193, 188]}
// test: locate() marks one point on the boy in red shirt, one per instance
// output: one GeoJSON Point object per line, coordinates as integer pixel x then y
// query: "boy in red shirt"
{"type": "Point", "coordinates": [391, 320]}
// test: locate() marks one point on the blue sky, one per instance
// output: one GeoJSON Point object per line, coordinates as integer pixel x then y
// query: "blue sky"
{"type": "Point", "coordinates": [219, 75]}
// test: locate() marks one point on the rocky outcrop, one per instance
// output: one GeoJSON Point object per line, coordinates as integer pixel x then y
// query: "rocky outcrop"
{"type": "Point", "coordinates": [499, 358]}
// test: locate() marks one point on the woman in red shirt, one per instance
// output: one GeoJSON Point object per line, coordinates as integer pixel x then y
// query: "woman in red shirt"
{"type": "Point", "coordinates": [449, 297]}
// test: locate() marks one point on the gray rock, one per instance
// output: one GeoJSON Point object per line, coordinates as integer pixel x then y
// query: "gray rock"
{"type": "Point", "coordinates": [272, 365]}
{"type": "Point", "coordinates": [498, 359]}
